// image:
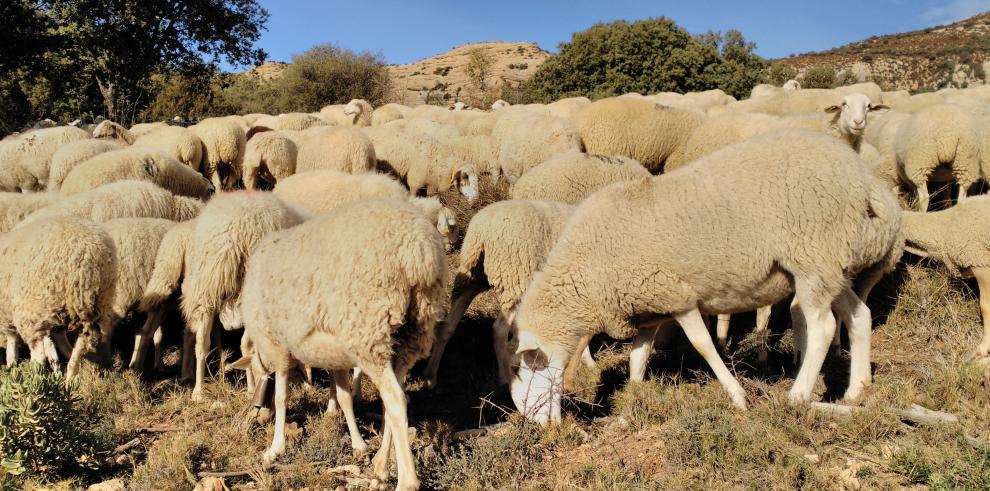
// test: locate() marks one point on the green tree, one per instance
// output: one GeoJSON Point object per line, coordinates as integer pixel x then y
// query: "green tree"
{"type": "Point", "coordinates": [819, 77]}
{"type": "Point", "coordinates": [647, 56]}
{"type": "Point", "coordinates": [778, 73]}
{"type": "Point", "coordinates": [479, 69]}
{"type": "Point", "coordinates": [327, 74]}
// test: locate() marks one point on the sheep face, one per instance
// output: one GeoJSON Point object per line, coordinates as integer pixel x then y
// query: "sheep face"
{"type": "Point", "coordinates": [352, 108]}
{"type": "Point", "coordinates": [466, 181]}
{"type": "Point", "coordinates": [792, 85]}
{"type": "Point", "coordinates": [447, 226]}
{"type": "Point", "coordinates": [537, 387]}
{"type": "Point", "coordinates": [852, 113]}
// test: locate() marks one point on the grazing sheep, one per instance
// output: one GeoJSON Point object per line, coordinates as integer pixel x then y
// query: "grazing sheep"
{"type": "Point", "coordinates": [479, 151]}
{"type": "Point", "coordinates": [108, 130]}
{"type": "Point", "coordinates": [224, 141]}
{"type": "Point", "coordinates": [719, 132]}
{"type": "Point", "coordinates": [500, 104]}
{"type": "Point", "coordinates": [323, 190]}
{"type": "Point", "coordinates": [440, 131]}
{"type": "Point", "coordinates": [388, 112]}
{"type": "Point", "coordinates": [505, 243]}
{"type": "Point", "coordinates": [372, 307]}
{"type": "Point", "coordinates": [938, 136]}
{"type": "Point", "coordinates": [142, 129]}
{"type": "Point", "coordinates": [121, 199]}
{"type": "Point", "coordinates": [958, 238]}
{"type": "Point", "coordinates": [635, 128]}
{"type": "Point", "coordinates": [428, 166]}
{"type": "Point", "coordinates": [736, 253]}
{"type": "Point", "coordinates": [791, 85]}
{"type": "Point", "coordinates": [226, 233]}
{"type": "Point", "coordinates": [530, 139]}
{"type": "Point", "coordinates": [69, 155]}
{"type": "Point", "coordinates": [294, 122]}
{"type": "Point", "coordinates": [15, 207]}
{"type": "Point", "coordinates": [917, 102]}
{"type": "Point", "coordinates": [178, 142]}
{"type": "Point", "coordinates": [340, 148]}
{"type": "Point", "coordinates": [26, 159]}
{"type": "Point", "coordinates": [567, 108]}
{"type": "Point", "coordinates": [270, 155]}
{"type": "Point", "coordinates": [55, 274]}
{"type": "Point", "coordinates": [137, 164]}
{"type": "Point", "coordinates": [573, 177]}
{"type": "Point", "coordinates": [360, 112]}
{"type": "Point", "coordinates": [136, 241]}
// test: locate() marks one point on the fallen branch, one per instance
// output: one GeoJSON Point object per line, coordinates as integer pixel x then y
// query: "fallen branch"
{"type": "Point", "coordinates": [916, 414]}
{"type": "Point", "coordinates": [343, 469]}
{"type": "Point", "coordinates": [127, 446]}
{"type": "Point", "coordinates": [475, 432]}
{"type": "Point", "coordinates": [164, 429]}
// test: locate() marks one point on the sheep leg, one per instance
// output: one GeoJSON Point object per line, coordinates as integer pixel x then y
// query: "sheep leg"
{"type": "Point", "coordinates": [819, 329]}
{"type": "Point", "coordinates": [356, 384]}
{"type": "Point", "coordinates": [157, 342]}
{"type": "Point", "coordinates": [342, 381]}
{"type": "Point", "coordinates": [216, 338]}
{"type": "Point", "coordinates": [693, 324]}
{"type": "Point", "coordinates": [639, 356]}
{"type": "Point", "coordinates": [188, 342]}
{"type": "Point", "coordinates": [62, 343]}
{"type": "Point", "coordinates": [587, 359]}
{"type": "Point", "coordinates": [203, 328]}
{"type": "Point", "coordinates": [215, 179]}
{"type": "Point", "coordinates": [722, 329]}
{"type": "Point", "coordinates": [856, 316]}
{"type": "Point", "coordinates": [394, 400]}
{"type": "Point", "coordinates": [922, 190]}
{"type": "Point", "coordinates": [11, 349]}
{"type": "Point", "coordinates": [51, 354]}
{"type": "Point", "coordinates": [983, 283]}
{"type": "Point", "coordinates": [462, 295]}
{"type": "Point", "coordinates": [247, 347]}
{"type": "Point", "coordinates": [503, 355]}
{"type": "Point", "coordinates": [798, 326]}
{"type": "Point", "coordinates": [278, 440]}
{"type": "Point", "coordinates": [571, 370]}
{"type": "Point", "coordinates": [762, 322]}
{"type": "Point", "coordinates": [143, 336]}
{"type": "Point", "coordinates": [72, 367]}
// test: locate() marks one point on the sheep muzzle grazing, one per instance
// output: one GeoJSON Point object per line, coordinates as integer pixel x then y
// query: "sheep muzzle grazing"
{"type": "Point", "coordinates": [466, 181]}
{"type": "Point", "coordinates": [537, 387]}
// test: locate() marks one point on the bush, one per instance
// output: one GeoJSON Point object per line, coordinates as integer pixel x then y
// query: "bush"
{"type": "Point", "coordinates": [820, 77]}
{"type": "Point", "coordinates": [647, 56]}
{"type": "Point", "coordinates": [778, 73]}
{"type": "Point", "coordinates": [44, 430]}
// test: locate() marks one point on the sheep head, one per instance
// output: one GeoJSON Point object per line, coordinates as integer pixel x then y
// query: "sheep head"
{"type": "Point", "coordinates": [852, 112]}
{"type": "Point", "coordinates": [465, 179]}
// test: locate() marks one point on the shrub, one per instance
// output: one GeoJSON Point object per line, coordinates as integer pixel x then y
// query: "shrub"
{"type": "Point", "coordinates": [326, 74]}
{"type": "Point", "coordinates": [442, 71]}
{"type": "Point", "coordinates": [778, 73]}
{"type": "Point", "coordinates": [44, 430]}
{"type": "Point", "coordinates": [819, 77]}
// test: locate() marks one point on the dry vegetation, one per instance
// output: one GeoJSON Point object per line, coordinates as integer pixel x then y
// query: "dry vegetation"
{"type": "Point", "coordinates": [675, 431]}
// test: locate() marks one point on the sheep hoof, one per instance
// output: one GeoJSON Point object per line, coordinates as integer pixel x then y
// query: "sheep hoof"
{"type": "Point", "coordinates": [379, 466]}
{"type": "Point", "coordinates": [739, 401]}
{"type": "Point", "coordinates": [798, 397]}
{"type": "Point", "coordinates": [268, 459]}
{"type": "Point", "coordinates": [360, 449]}
{"type": "Point", "coordinates": [197, 395]}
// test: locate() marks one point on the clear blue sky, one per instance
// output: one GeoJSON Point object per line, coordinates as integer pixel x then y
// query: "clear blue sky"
{"type": "Point", "coordinates": [408, 30]}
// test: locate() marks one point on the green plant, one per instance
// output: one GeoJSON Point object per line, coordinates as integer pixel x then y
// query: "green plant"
{"type": "Point", "coordinates": [442, 71]}
{"type": "Point", "coordinates": [819, 77]}
{"type": "Point", "coordinates": [44, 430]}
{"type": "Point", "coordinates": [778, 73]}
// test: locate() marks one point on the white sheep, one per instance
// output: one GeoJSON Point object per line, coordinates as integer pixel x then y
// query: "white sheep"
{"type": "Point", "coordinates": [500, 104]}
{"type": "Point", "coordinates": [15, 207]}
{"type": "Point", "coordinates": [737, 253]}
{"type": "Point", "coordinates": [120, 200]}
{"type": "Point", "coordinates": [224, 141]}
{"type": "Point", "coordinates": [109, 130]}
{"type": "Point", "coordinates": [360, 112]}
{"type": "Point", "coordinates": [142, 129]}
{"type": "Point", "coordinates": [791, 85]}
{"type": "Point", "coordinates": [271, 156]}
{"type": "Point", "coordinates": [571, 178]}
{"type": "Point", "coordinates": [25, 159]}
{"type": "Point", "coordinates": [432, 129]}
{"type": "Point", "coordinates": [635, 128]}
{"type": "Point", "coordinates": [388, 112]}
{"type": "Point", "coordinates": [226, 233]}
{"type": "Point", "coordinates": [529, 139]}
{"type": "Point", "coordinates": [933, 139]}
{"type": "Point", "coordinates": [69, 155]}
{"type": "Point", "coordinates": [341, 148]}
{"type": "Point", "coordinates": [137, 164]}
{"type": "Point", "coordinates": [371, 307]}
{"type": "Point", "coordinates": [180, 143]}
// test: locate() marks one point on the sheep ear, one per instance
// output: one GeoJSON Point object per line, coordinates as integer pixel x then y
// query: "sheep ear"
{"type": "Point", "coordinates": [243, 364]}
{"type": "Point", "coordinates": [149, 168]}
{"type": "Point", "coordinates": [832, 109]}
{"type": "Point", "coordinates": [527, 342]}
{"type": "Point", "coordinates": [879, 107]}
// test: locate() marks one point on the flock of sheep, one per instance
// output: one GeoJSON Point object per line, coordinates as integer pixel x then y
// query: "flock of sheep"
{"type": "Point", "coordinates": [626, 215]}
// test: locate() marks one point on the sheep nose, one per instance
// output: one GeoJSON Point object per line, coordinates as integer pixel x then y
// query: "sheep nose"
{"type": "Point", "coordinates": [858, 122]}
{"type": "Point", "coordinates": [210, 187]}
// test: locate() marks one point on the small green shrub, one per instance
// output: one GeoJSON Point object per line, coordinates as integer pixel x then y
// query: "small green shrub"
{"type": "Point", "coordinates": [442, 71]}
{"type": "Point", "coordinates": [44, 431]}
{"type": "Point", "coordinates": [819, 77]}
{"type": "Point", "coordinates": [778, 73]}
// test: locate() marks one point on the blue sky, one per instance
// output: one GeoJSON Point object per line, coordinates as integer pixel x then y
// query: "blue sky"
{"type": "Point", "coordinates": [408, 30]}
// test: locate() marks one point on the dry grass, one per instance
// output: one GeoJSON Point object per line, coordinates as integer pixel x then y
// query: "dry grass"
{"type": "Point", "coordinates": [675, 431]}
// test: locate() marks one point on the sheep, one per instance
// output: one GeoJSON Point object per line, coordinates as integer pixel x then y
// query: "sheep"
{"type": "Point", "coordinates": [567, 108]}
{"type": "Point", "coordinates": [226, 233]}
{"type": "Point", "coordinates": [736, 253]}
{"type": "Point", "coordinates": [917, 102]}
{"type": "Point", "coordinates": [791, 85]}
{"type": "Point", "coordinates": [323, 190]}
{"type": "Point", "coordinates": [573, 177]}
{"type": "Point", "coordinates": [14, 207]}
{"type": "Point", "coordinates": [69, 155]}
{"type": "Point", "coordinates": [342, 148]}
{"type": "Point", "coordinates": [719, 132]}
{"type": "Point", "coordinates": [360, 112]}
{"type": "Point", "coordinates": [707, 99]}
{"type": "Point", "coordinates": [138, 164]}
{"type": "Point", "coordinates": [388, 112]}
{"type": "Point", "coordinates": [638, 129]}
{"type": "Point", "coordinates": [479, 151]}
{"type": "Point", "coordinates": [252, 117]}
{"type": "Point", "coordinates": [270, 155]}
{"type": "Point", "coordinates": [432, 129]}
{"type": "Point", "coordinates": [109, 130]}
{"type": "Point", "coordinates": [500, 104]}
{"type": "Point", "coordinates": [142, 129]}
{"type": "Point", "coordinates": [428, 166]}
{"type": "Point", "coordinates": [56, 273]}
{"type": "Point", "coordinates": [25, 160]}
{"type": "Point", "coordinates": [938, 136]}
{"type": "Point", "coordinates": [136, 241]}
{"type": "Point", "coordinates": [764, 90]}
{"type": "Point", "coordinates": [178, 142]}
{"type": "Point", "coordinates": [526, 141]}
{"type": "Point", "coordinates": [120, 200]}
{"type": "Point", "coordinates": [371, 307]}
{"type": "Point", "coordinates": [292, 122]}
{"type": "Point", "coordinates": [223, 150]}
{"type": "Point", "coordinates": [958, 238]}
{"type": "Point", "coordinates": [171, 262]}
{"type": "Point", "coordinates": [505, 243]}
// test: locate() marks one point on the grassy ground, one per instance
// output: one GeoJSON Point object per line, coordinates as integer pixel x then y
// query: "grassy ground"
{"type": "Point", "coordinates": [675, 431]}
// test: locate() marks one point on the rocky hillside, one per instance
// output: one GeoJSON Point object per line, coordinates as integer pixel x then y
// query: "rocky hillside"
{"type": "Point", "coordinates": [950, 55]}
{"type": "Point", "coordinates": [444, 77]}
{"type": "Point", "coordinates": [267, 71]}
